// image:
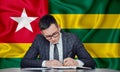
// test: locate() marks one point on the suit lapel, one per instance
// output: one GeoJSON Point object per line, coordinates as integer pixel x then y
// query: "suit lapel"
{"type": "Point", "coordinates": [47, 48]}
{"type": "Point", "coordinates": [64, 41]}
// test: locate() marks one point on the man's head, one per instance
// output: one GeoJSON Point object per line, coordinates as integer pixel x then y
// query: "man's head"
{"type": "Point", "coordinates": [50, 28]}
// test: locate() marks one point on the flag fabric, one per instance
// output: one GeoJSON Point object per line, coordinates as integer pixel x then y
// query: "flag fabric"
{"type": "Point", "coordinates": [96, 22]}
{"type": "Point", "coordinates": [18, 28]}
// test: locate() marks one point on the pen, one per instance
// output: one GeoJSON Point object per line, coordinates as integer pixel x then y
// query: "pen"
{"type": "Point", "coordinates": [70, 55]}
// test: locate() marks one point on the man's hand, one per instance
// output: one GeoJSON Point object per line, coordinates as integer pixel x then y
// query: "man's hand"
{"type": "Point", "coordinates": [51, 63]}
{"type": "Point", "coordinates": [70, 62]}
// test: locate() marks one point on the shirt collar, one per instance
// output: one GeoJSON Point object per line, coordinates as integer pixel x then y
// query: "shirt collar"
{"type": "Point", "coordinates": [60, 39]}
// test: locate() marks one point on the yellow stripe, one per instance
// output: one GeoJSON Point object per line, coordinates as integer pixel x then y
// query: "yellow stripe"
{"type": "Point", "coordinates": [94, 21]}
{"type": "Point", "coordinates": [13, 50]}
{"type": "Point", "coordinates": [103, 50]}
{"type": "Point", "coordinates": [97, 50]}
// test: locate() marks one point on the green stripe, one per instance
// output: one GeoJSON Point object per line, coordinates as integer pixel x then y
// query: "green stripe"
{"type": "Point", "coordinates": [97, 35]}
{"type": "Point", "coordinates": [84, 6]}
{"type": "Point", "coordinates": [9, 63]}
{"type": "Point", "coordinates": [113, 63]}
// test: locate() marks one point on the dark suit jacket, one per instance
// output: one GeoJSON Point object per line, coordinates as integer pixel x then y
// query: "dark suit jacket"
{"type": "Point", "coordinates": [39, 51]}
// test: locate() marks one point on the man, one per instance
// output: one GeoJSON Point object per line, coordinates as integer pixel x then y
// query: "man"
{"type": "Point", "coordinates": [54, 47]}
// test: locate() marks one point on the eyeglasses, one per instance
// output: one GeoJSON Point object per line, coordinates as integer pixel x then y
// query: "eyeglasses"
{"type": "Point", "coordinates": [54, 35]}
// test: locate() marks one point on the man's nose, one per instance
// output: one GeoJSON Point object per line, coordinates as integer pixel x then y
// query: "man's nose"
{"type": "Point", "coordinates": [52, 38]}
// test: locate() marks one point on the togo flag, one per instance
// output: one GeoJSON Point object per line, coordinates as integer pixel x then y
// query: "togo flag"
{"type": "Point", "coordinates": [96, 22]}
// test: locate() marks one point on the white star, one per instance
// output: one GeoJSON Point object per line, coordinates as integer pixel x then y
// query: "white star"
{"type": "Point", "coordinates": [24, 21]}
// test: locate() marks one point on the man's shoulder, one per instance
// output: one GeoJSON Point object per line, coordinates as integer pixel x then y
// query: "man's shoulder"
{"type": "Point", "coordinates": [68, 34]}
{"type": "Point", "coordinates": [39, 36]}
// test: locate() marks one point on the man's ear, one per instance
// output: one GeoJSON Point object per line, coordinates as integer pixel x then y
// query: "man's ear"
{"type": "Point", "coordinates": [59, 27]}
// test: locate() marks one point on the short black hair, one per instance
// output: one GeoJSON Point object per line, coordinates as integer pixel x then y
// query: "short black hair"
{"type": "Point", "coordinates": [46, 21]}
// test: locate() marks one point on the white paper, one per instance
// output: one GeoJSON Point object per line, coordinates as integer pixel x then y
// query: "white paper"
{"type": "Point", "coordinates": [69, 67]}
{"type": "Point", "coordinates": [64, 67]}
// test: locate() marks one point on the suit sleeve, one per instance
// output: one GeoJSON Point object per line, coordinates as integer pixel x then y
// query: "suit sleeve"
{"type": "Point", "coordinates": [30, 58]}
{"type": "Point", "coordinates": [82, 54]}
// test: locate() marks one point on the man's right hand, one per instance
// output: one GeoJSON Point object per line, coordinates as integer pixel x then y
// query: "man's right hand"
{"type": "Point", "coordinates": [51, 63]}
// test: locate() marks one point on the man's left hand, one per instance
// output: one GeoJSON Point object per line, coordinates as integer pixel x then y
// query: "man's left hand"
{"type": "Point", "coordinates": [70, 62]}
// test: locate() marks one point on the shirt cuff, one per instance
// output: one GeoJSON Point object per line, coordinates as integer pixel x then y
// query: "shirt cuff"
{"type": "Point", "coordinates": [43, 63]}
{"type": "Point", "coordinates": [80, 63]}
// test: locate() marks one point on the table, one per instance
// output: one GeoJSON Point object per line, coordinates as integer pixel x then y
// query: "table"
{"type": "Point", "coordinates": [55, 70]}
